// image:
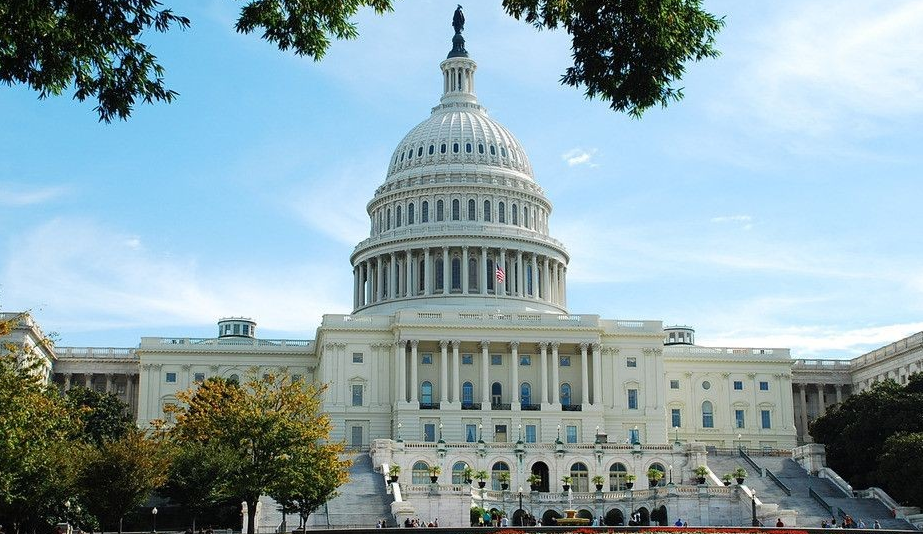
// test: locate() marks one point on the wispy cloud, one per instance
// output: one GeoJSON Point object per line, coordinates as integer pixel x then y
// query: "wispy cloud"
{"type": "Point", "coordinates": [579, 156]}
{"type": "Point", "coordinates": [745, 221]}
{"type": "Point", "coordinates": [819, 341]}
{"type": "Point", "coordinates": [17, 195]}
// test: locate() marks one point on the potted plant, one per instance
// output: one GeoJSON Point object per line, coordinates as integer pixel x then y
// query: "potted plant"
{"type": "Point", "coordinates": [468, 473]}
{"type": "Point", "coordinates": [630, 481]}
{"type": "Point", "coordinates": [434, 472]}
{"type": "Point", "coordinates": [565, 482]}
{"type": "Point", "coordinates": [701, 472]}
{"type": "Point", "coordinates": [654, 476]}
{"type": "Point", "coordinates": [393, 472]}
{"type": "Point", "coordinates": [740, 474]}
{"type": "Point", "coordinates": [598, 480]}
{"type": "Point", "coordinates": [534, 481]}
{"type": "Point", "coordinates": [481, 477]}
{"type": "Point", "coordinates": [504, 478]}
{"type": "Point", "coordinates": [727, 479]}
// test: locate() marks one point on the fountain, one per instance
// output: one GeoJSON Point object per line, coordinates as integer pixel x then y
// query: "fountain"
{"type": "Point", "coordinates": [570, 515]}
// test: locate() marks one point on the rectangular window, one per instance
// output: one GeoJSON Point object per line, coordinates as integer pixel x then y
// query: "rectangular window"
{"type": "Point", "coordinates": [674, 384]}
{"type": "Point", "coordinates": [766, 419]}
{"type": "Point", "coordinates": [634, 435]}
{"type": "Point", "coordinates": [496, 359]}
{"type": "Point", "coordinates": [525, 359]}
{"type": "Point", "coordinates": [429, 432]}
{"type": "Point", "coordinates": [676, 417]}
{"type": "Point", "coordinates": [571, 433]}
{"type": "Point", "coordinates": [199, 377]}
{"type": "Point", "coordinates": [427, 358]}
{"type": "Point", "coordinates": [471, 433]}
{"type": "Point", "coordinates": [357, 394]}
{"type": "Point", "coordinates": [530, 434]}
{"type": "Point", "coordinates": [500, 433]}
{"type": "Point", "coordinates": [356, 440]}
{"type": "Point", "coordinates": [764, 386]}
{"type": "Point", "coordinates": [632, 362]}
{"type": "Point", "coordinates": [739, 420]}
{"type": "Point", "coordinates": [357, 357]}
{"type": "Point", "coordinates": [565, 361]}
{"type": "Point", "coordinates": [632, 399]}
{"type": "Point", "coordinates": [467, 359]}
{"type": "Point", "coordinates": [171, 378]}
{"type": "Point", "coordinates": [738, 385]}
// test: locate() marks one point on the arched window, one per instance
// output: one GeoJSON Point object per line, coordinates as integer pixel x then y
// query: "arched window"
{"type": "Point", "coordinates": [234, 379]}
{"type": "Point", "coordinates": [455, 148]}
{"type": "Point", "coordinates": [496, 393]}
{"type": "Point", "coordinates": [525, 393]}
{"type": "Point", "coordinates": [456, 210]}
{"type": "Point", "coordinates": [440, 212]}
{"type": "Point", "coordinates": [442, 149]}
{"type": "Point", "coordinates": [515, 212]}
{"type": "Point", "coordinates": [421, 275]}
{"type": "Point", "coordinates": [525, 216]}
{"type": "Point", "coordinates": [468, 148]}
{"type": "Point", "coordinates": [472, 275]}
{"type": "Point", "coordinates": [659, 467]}
{"type": "Point", "coordinates": [458, 472]}
{"type": "Point", "coordinates": [503, 151]}
{"type": "Point", "coordinates": [456, 274]}
{"type": "Point", "coordinates": [487, 210]}
{"type": "Point", "coordinates": [402, 156]}
{"type": "Point", "coordinates": [420, 473]}
{"type": "Point", "coordinates": [493, 150]}
{"type": "Point", "coordinates": [580, 477]}
{"type": "Point", "coordinates": [496, 473]}
{"type": "Point", "coordinates": [432, 149]}
{"type": "Point", "coordinates": [419, 151]}
{"type": "Point", "coordinates": [467, 394]}
{"type": "Point", "coordinates": [389, 219]}
{"type": "Point", "coordinates": [708, 415]}
{"type": "Point", "coordinates": [397, 218]}
{"type": "Point", "coordinates": [565, 394]}
{"type": "Point", "coordinates": [617, 475]}
{"type": "Point", "coordinates": [409, 154]}
{"type": "Point", "coordinates": [379, 221]}
{"type": "Point", "coordinates": [491, 274]}
{"type": "Point", "coordinates": [426, 392]}
{"type": "Point", "coordinates": [480, 148]}
{"type": "Point", "coordinates": [529, 285]}
{"type": "Point", "coordinates": [472, 210]}
{"type": "Point", "coordinates": [501, 213]}
{"type": "Point", "coordinates": [410, 213]}
{"type": "Point", "coordinates": [424, 212]}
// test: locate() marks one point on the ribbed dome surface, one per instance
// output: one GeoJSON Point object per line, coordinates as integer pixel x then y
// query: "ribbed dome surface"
{"type": "Point", "coordinates": [459, 133]}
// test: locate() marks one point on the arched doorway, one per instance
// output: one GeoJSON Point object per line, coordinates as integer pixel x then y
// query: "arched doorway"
{"type": "Point", "coordinates": [659, 516]}
{"type": "Point", "coordinates": [548, 518]}
{"type": "Point", "coordinates": [643, 517]}
{"type": "Point", "coordinates": [615, 518]}
{"type": "Point", "coordinates": [519, 517]}
{"type": "Point", "coordinates": [586, 514]}
{"type": "Point", "coordinates": [541, 469]}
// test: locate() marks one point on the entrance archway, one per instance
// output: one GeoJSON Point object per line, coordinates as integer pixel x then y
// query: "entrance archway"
{"type": "Point", "coordinates": [541, 469]}
{"type": "Point", "coordinates": [586, 514]}
{"type": "Point", "coordinates": [519, 518]}
{"type": "Point", "coordinates": [644, 517]}
{"type": "Point", "coordinates": [659, 516]}
{"type": "Point", "coordinates": [614, 518]}
{"type": "Point", "coordinates": [548, 518]}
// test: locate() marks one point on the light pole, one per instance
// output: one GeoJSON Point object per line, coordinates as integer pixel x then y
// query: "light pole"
{"type": "Point", "coordinates": [480, 432]}
{"type": "Point", "coordinates": [739, 446]}
{"type": "Point", "coordinates": [154, 518]}
{"type": "Point", "coordinates": [399, 425]}
{"type": "Point", "coordinates": [756, 521]}
{"type": "Point", "coordinates": [671, 474]}
{"type": "Point", "coordinates": [520, 512]}
{"type": "Point", "coordinates": [676, 435]}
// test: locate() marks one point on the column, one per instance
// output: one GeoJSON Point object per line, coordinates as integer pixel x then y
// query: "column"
{"type": "Point", "coordinates": [356, 286]}
{"type": "Point", "coordinates": [485, 276]}
{"type": "Point", "coordinates": [367, 282]}
{"type": "Point", "coordinates": [398, 394]}
{"type": "Point", "coordinates": [401, 354]}
{"type": "Point", "coordinates": [379, 278]}
{"type": "Point", "coordinates": [584, 375]}
{"type": "Point", "coordinates": [464, 271]}
{"type": "Point", "coordinates": [564, 286]}
{"type": "Point", "coordinates": [500, 289]}
{"type": "Point", "coordinates": [535, 291]}
{"type": "Point", "coordinates": [446, 273]}
{"type": "Point", "coordinates": [555, 378]}
{"type": "Point", "coordinates": [554, 282]}
{"type": "Point", "coordinates": [414, 387]}
{"type": "Point", "coordinates": [546, 280]}
{"type": "Point", "coordinates": [392, 277]}
{"type": "Point", "coordinates": [543, 346]}
{"type": "Point", "coordinates": [110, 381]}
{"type": "Point", "coordinates": [408, 266]}
{"type": "Point", "coordinates": [560, 269]}
{"type": "Point", "coordinates": [444, 371]}
{"type": "Point", "coordinates": [67, 382]}
{"type": "Point", "coordinates": [456, 374]}
{"type": "Point", "coordinates": [485, 363]}
{"type": "Point", "coordinates": [519, 275]}
{"type": "Point", "coordinates": [427, 273]}
{"type": "Point", "coordinates": [804, 411]}
{"type": "Point", "coordinates": [597, 375]}
{"type": "Point", "coordinates": [839, 393]}
{"type": "Point", "coordinates": [514, 374]}
{"type": "Point", "coordinates": [821, 403]}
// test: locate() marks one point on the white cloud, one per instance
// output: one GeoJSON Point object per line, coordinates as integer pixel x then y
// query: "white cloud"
{"type": "Point", "coordinates": [818, 341]}
{"type": "Point", "coordinates": [335, 204]}
{"type": "Point", "coordinates": [579, 156]}
{"type": "Point", "coordinates": [745, 221]}
{"type": "Point", "coordinates": [21, 195]}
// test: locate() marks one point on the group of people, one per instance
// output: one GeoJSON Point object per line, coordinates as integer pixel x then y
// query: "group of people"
{"type": "Point", "coordinates": [848, 522]}
{"type": "Point", "coordinates": [412, 522]}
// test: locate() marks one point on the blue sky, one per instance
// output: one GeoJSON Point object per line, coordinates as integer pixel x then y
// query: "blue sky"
{"type": "Point", "coordinates": [777, 205]}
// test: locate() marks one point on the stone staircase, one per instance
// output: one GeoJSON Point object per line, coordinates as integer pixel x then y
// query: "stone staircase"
{"type": "Point", "coordinates": [810, 512]}
{"type": "Point", "coordinates": [361, 502]}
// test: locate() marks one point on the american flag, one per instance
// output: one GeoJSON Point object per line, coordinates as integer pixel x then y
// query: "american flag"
{"type": "Point", "coordinates": [501, 276]}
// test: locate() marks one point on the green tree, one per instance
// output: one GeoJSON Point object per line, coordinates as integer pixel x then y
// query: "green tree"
{"type": "Point", "coordinates": [629, 52]}
{"type": "Point", "coordinates": [312, 476]}
{"type": "Point", "coordinates": [900, 466]}
{"type": "Point", "coordinates": [118, 476]}
{"type": "Point", "coordinates": [103, 416]}
{"type": "Point", "coordinates": [198, 477]}
{"type": "Point", "coordinates": [266, 424]}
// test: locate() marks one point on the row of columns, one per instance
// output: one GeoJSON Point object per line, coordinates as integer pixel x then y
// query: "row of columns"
{"type": "Point", "coordinates": [821, 402]}
{"type": "Point", "coordinates": [111, 379]}
{"type": "Point", "coordinates": [549, 280]}
{"type": "Point", "coordinates": [453, 394]}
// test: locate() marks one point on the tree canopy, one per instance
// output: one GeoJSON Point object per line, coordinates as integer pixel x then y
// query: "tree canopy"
{"type": "Point", "coordinates": [103, 416]}
{"type": "Point", "coordinates": [628, 52]}
{"type": "Point", "coordinates": [872, 436]}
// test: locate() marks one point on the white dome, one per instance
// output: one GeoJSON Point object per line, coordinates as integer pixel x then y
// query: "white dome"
{"type": "Point", "coordinates": [459, 133]}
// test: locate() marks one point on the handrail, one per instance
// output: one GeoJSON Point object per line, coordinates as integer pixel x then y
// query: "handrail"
{"type": "Point", "coordinates": [820, 500]}
{"type": "Point", "coordinates": [778, 482]}
{"type": "Point", "coordinates": [749, 460]}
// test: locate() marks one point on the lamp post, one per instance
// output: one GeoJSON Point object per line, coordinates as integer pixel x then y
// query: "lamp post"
{"type": "Point", "coordinates": [399, 426]}
{"type": "Point", "coordinates": [738, 442]}
{"type": "Point", "coordinates": [521, 514]}
{"type": "Point", "coordinates": [440, 430]}
{"type": "Point", "coordinates": [671, 474]}
{"type": "Point", "coordinates": [756, 521]}
{"type": "Point", "coordinates": [154, 519]}
{"type": "Point", "coordinates": [676, 435]}
{"type": "Point", "coordinates": [481, 432]}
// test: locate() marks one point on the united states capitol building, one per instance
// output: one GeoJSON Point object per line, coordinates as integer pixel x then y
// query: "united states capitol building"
{"type": "Point", "coordinates": [461, 351]}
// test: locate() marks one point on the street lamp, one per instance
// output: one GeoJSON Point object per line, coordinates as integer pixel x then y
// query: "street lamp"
{"type": "Point", "coordinates": [739, 446]}
{"type": "Point", "coordinates": [671, 474]}
{"type": "Point", "coordinates": [480, 432]}
{"type": "Point", "coordinates": [154, 518]}
{"type": "Point", "coordinates": [676, 435]}
{"type": "Point", "coordinates": [756, 521]}
{"type": "Point", "coordinates": [521, 514]}
{"type": "Point", "coordinates": [399, 426]}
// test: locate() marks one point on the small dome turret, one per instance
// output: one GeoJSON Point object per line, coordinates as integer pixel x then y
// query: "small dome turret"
{"type": "Point", "coordinates": [678, 335]}
{"type": "Point", "coordinates": [236, 327]}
